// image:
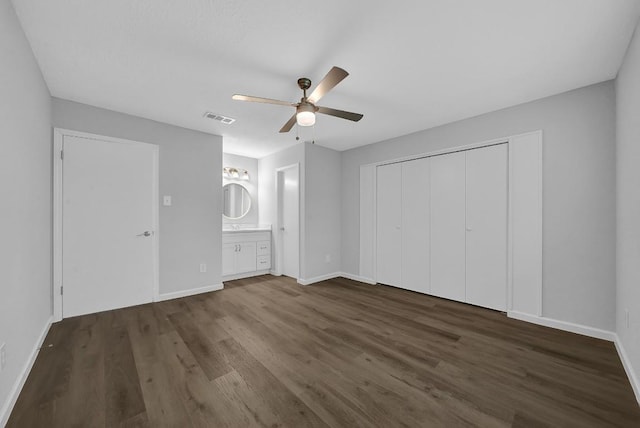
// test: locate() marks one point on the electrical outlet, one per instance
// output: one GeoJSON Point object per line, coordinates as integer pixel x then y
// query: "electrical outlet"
{"type": "Point", "coordinates": [626, 317]}
{"type": "Point", "coordinates": [327, 258]}
{"type": "Point", "coordinates": [3, 356]}
{"type": "Point", "coordinates": [203, 267]}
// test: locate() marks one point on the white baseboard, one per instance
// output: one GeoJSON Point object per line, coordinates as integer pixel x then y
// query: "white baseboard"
{"type": "Point", "coordinates": [626, 363]}
{"type": "Point", "coordinates": [564, 325]}
{"type": "Point", "coordinates": [22, 378]}
{"type": "Point", "coordinates": [318, 278]}
{"type": "Point", "coordinates": [246, 275]}
{"type": "Point", "coordinates": [358, 278]}
{"type": "Point", "coordinates": [191, 292]}
{"type": "Point", "coordinates": [336, 275]}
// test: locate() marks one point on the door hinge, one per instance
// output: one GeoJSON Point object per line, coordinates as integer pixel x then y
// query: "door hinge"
{"type": "Point", "coordinates": [62, 154]}
{"type": "Point", "coordinates": [61, 290]}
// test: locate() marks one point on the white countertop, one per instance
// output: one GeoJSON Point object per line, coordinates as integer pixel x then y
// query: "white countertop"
{"type": "Point", "coordinates": [240, 228]}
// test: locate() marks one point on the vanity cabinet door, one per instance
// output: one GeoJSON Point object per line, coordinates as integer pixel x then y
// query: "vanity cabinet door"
{"type": "Point", "coordinates": [229, 259]}
{"type": "Point", "coordinates": [246, 257]}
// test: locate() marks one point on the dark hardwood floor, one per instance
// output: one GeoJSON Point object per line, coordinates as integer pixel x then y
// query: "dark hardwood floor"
{"type": "Point", "coordinates": [267, 352]}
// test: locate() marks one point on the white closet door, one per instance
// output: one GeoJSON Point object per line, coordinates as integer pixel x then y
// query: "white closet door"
{"type": "Point", "coordinates": [415, 225]}
{"type": "Point", "coordinates": [448, 226]}
{"type": "Point", "coordinates": [388, 224]}
{"type": "Point", "coordinates": [487, 227]}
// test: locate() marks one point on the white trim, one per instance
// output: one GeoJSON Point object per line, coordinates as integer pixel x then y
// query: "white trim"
{"type": "Point", "coordinates": [628, 368]}
{"type": "Point", "coordinates": [358, 278]}
{"type": "Point", "coordinates": [444, 151]}
{"type": "Point", "coordinates": [320, 278]}
{"type": "Point", "coordinates": [564, 325]}
{"type": "Point", "coordinates": [246, 275]}
{"type": "Point", "coordinates": [58, 137]}
{"type": "Point", "coordinates": [58, 145]}
{"type": "Point", "coordinates": [156, 222]}
{"type": "Point", "coordinates": [509, 227]}
{"type": "Point", "coordinates": [12, 398]}
{"type": "Point", "coordinates": [333, 275]}
{"type": "Point", "coordinates": [190, 292]}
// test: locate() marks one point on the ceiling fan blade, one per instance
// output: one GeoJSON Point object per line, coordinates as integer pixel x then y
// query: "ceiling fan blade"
{"type": "Point", "coordinates": [287, 126]}
{"type": "Point", "coordinates": [333, 77]}
{"type": "Point", "coordinates": [340, 113]}
{"type": "Point", "coordinates": [262, 100]}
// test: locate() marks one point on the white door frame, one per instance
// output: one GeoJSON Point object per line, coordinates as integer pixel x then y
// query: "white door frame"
{"type": "Point", "coordinates": [58, 140]}
{"type": "Point", "coordinates": [279, 247]}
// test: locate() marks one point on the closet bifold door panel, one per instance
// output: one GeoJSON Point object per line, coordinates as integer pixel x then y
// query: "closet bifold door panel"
{"type": "Point", "coordinates": [486, 228]}
{"type": "Point", "coordinates": [447, 226]}
{"type": "Point", "coordinates": [388, 224]}
{"type": "Point", "coordinates": [415, 225]}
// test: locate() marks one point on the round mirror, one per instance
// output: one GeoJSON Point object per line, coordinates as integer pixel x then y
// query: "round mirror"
{"type": "Point", "coordinates": [236, 201]}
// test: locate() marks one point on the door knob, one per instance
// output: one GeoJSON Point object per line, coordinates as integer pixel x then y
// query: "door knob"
{"type": "Point", "coordinates": [282, 228]}
{"type": "Point", "coordinates": [145, 233]}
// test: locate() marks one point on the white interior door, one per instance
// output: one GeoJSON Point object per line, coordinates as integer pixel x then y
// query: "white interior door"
{"type": "Point", "coordinates": [487, 227]}
{"type": "Point", "coordinates": [108, 220]}
{"type": "Point", "coordinates": [289, 220]}
{"type": "Point", "coordinates": [415, 225]}
{"type": "Point", "coordinates": [389, 224]}
{"type": "Point", "coordinates": [448, 226]}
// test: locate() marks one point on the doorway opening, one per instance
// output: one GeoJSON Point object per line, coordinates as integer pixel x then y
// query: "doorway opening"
{"type": "Point", "coordinates": [287, 233]}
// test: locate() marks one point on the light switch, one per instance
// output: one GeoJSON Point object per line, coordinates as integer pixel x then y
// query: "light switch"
{"type": "Point", "coordinates": [166, 201]}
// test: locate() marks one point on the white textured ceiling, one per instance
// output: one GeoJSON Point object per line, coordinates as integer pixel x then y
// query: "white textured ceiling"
{"type": "Point", "coordinates": [413, 64]}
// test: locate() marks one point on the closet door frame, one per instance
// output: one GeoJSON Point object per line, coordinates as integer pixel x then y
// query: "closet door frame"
{"type": "Point", "coordinates": [534, 136]}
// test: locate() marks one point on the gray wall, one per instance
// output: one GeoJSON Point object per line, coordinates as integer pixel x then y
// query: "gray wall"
{"type": "Point", "coordinates": [628, 202]}
{"type": "Point", "coordinates": [25, 191]}
{"type": "Point", "coordinates": [578, 193]}
{"type": "Point", "coordinates": [267, 193]}
{"type": "Point", "coordinates": [190, 171]}
{"type": "Point", "coordinates": [323, 184]}
{"type": "Point", "coordinates": [251, 165]}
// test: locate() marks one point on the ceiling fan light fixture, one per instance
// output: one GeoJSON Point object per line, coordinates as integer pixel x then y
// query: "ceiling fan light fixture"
{"type": "Point", "coordinates": [306, 115]}
{"type": "Point", "coordinates": [306, 118]}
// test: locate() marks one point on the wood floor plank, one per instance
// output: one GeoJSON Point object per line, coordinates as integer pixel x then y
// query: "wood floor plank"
{"type": "Point", "coordinates": [123, 393]}
{"type": "Point", "coordinates": [162, 402]}
{"type": "Point", "coordinates": [206, 352]}
{"type": "Point", "coordinates": [266, 352]}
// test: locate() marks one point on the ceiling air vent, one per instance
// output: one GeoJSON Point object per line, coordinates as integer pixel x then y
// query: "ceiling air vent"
{"type": "Point", "coordinates": [219, 118]}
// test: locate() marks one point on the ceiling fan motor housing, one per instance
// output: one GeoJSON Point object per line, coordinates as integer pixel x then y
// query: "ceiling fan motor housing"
{"type": "Point", "coordinates": [304, 83]}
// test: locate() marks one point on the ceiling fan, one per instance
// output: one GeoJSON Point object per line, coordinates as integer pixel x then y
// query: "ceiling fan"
{"type": "Point", "coordinates": [306, 109]}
